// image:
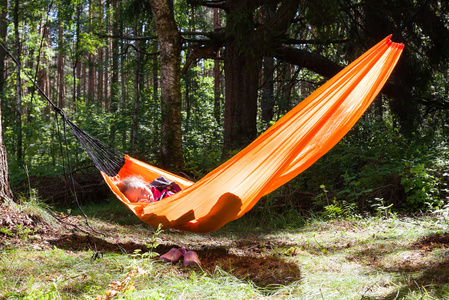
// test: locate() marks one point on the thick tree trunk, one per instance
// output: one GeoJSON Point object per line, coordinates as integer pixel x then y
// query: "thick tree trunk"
{"type": "Point", "coordinates": [170, 47]}
{"type": "Point", "coordinates": [241, 68]}
{"type": "Point", "coordinates": [242, 78]}
{"type": "Point", "coordinates": [246, 44]}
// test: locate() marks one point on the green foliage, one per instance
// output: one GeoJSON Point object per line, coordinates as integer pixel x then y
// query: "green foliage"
{"type": "Point", "coordinates": [202, 135]}
{"type": "Point", "coordinates": [374, 162]}
{"type": "Point", "coordinates": [381, 209]}
{"type": "Point", "coordinates": [380, 159]}
{"type": "Point", "coordinates": [420, 186]}
{"type": "Point", "coordinates": [151, 245]}
{"type": "Point", "coordinates": [6, 231]}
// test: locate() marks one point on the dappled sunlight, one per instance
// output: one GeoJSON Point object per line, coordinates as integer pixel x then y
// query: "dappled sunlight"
{"type": "Point", "coordinates": [360, 258]}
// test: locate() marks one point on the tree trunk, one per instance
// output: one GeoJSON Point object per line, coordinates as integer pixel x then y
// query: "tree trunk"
{"type": "Point", "coordinates": [115, 62]}
{"type": "Point", "coordinates": [284, 102]}
{"type": "Point", "coordinates": [217, 74]}
{"type": "Point", "coordinates": [155, 73]}
{"type": "Point", "coordinates": [137, 87]}
{"type": "Point", "coordinates": [267, 102]}
{"type": "Point", "coordinates": [246, 44]}
{"type": "Point", "coordinates": [91, 62]}
{"type": "Point", "coordinates": [61, 74]}
{"type": "Point", "coordinates": [99, 91]}
{"type": "Point", "coordinates": [18, 85]}
{"type": "Point", "coordinates": [170, 47]}
{"type": "Point", "coordinates": [242, 78]}
{"type": "Point", "coordinates": [91, 78]}
{"type": "Point", "coordinates": [4, 4]}
{"type": "Point", "coordinates": [42, 77]}
{"type": "Point", "coordinates": [241, 68]}
{"type": "Point", "coordinates": [5, 190]}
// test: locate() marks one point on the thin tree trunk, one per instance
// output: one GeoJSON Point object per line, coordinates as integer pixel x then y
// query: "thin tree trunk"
{"type": "Point", "coordinates": [77, 62]}
{"type": "Point", "coordinates": [91, 62]}
{"type": "Point", "coordinates": [137, 82]}
{"type": "Point", "coordinates": [18, 85]}
{"type": "Point", "coordinates": [115, 61]}
{"type": "Point", "coordinates": [107, 61]}
{"type": "Point", "coordinates": [106, 80]}
{"type": "Point", "coordinates": [99, 90]}
{"type": "Point", "coordinates": [61, 75]}
{"type": "Point", "coordinates": [267, 102]}
{"type": "Point", "coordinates": [284, 102]}
{"type": "Point", "coordinates": [155, 73]}
{"type": "Point", "coordinates": [122, 103]}
{"type": "Point", "coordinates": [217, 74]}
{"type": "Point", "coordinates": [155, 83]}
{"type": "Point", "coordinates": [5, 190]}
{"type": "Point", "coordinates": [4, 4]}
{"type": "Point", "coordinates": [42, 70]}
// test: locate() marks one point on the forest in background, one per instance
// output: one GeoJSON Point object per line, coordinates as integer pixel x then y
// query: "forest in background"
{"type": "Point", "coordinates": [238, 66]}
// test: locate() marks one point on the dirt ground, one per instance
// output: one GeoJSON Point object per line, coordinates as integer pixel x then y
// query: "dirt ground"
{"type": "Point", "coordinates": [249, 263]}
{"type": "Point", "coordinates": [246, 259]}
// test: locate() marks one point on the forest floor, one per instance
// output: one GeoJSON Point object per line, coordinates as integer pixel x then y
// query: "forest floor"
{"type": "Point", "coordinates": [259, 256]}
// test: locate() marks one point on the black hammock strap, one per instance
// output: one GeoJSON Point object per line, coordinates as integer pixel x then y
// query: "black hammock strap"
{"type": "Point", "coordinates": [105, 158]}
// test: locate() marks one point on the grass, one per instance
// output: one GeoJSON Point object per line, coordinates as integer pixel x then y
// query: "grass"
{"type": "Point", "coordinates": [289, 257]}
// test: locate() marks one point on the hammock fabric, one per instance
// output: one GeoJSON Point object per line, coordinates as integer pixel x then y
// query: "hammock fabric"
{"type": "Point", "coordinates": [286, 149]}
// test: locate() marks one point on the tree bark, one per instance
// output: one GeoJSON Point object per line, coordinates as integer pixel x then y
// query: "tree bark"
{"type": "Point", "coordinates": [267, 101]}
{"type": "Point", "coordinates": [137, 88]}
{"type": "Point", "coordinates": [241, 87]}
{"type": "Point", "coordinates": [217, 74]}
{"type": "Point", "coordinates": [91, 90]}
{"type": "Point", "coordinates": [18, 85]}
{"type": "Point", "coordinates": [5, 190]}
{"type": "Point", "coordinates": [246, 44]}
{"type": "Point", "coordinates": [311, 61]}
{"type": "Point", "coordinates": [4, 4]}
{"type": "Point", "coordinates": [99, 91]}
{"type": "Point", "coordinates": [115, 61]}
{"type": "Point", "coordinates": [61, 74]}
{"type": "Point", "coordinates": [42, 71]}
{"type": "Point", "coordinates": [170, 48]}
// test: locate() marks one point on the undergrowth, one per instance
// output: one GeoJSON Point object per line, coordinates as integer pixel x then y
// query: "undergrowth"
{"type": "Point", "coordinates": [330, 255]}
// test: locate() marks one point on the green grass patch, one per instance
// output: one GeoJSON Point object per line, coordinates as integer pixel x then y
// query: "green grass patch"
{"type": "Point", "coordinates": [294, 258]}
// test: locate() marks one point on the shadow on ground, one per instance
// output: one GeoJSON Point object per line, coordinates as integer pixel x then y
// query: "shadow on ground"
{"type": "Point", "coordinates": [261, 270]}
{"type": "Point", "coordinates": [433, 277]}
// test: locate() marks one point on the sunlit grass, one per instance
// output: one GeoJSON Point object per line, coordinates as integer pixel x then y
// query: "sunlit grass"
{"type": "Point", "coordinates": [347, 258]}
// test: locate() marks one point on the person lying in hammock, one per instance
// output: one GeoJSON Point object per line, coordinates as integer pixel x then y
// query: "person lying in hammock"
{"type": "Point", "coordinates": [137, 191]}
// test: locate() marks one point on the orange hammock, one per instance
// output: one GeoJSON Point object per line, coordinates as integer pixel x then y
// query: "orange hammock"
{"type": "Point", "coordinates": [286, 149]}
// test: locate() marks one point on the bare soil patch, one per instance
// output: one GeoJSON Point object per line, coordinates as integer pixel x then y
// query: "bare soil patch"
{"type": "Point", "coordinates": [247, 264]}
